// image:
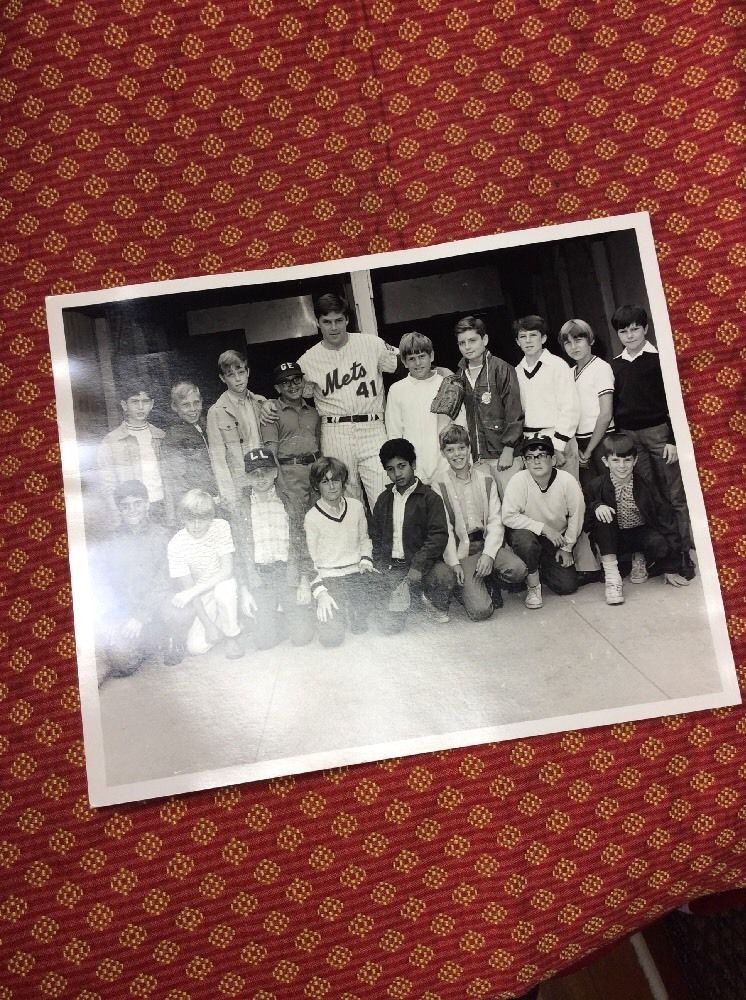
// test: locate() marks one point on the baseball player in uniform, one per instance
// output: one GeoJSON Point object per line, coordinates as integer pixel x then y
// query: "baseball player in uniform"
{"type": "Point", "coordinates": [345, 371]}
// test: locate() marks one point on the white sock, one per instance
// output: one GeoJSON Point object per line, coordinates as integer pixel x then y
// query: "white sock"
{"type": "Point", "coordinates": [611, 571]}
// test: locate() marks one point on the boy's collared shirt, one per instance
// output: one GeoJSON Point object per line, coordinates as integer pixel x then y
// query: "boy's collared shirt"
{"type": "Point", "coordinates": [296, 431]}
{"type": "Point", "coordinates": [270, 528]}
{"type": "Point", "coordinates": [647, 348]}
{"type": "Point", "coordinates": [627, 512]}
{"type": "Point", "coordinates": [466, 494]}
{"type": "Point", "coordinates": [482, 492]}
{"type": "Point", "coordinates": [400, 502]}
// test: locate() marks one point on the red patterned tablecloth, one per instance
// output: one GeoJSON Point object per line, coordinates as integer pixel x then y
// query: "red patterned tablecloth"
{"type": "Point", "coordinates": [143, 141]}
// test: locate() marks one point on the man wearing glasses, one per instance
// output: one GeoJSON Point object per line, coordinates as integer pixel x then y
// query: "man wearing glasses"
{"type": "Point", "coordinates": [294, 436]}
{"type": "Point", "coordinates": [543, 509]}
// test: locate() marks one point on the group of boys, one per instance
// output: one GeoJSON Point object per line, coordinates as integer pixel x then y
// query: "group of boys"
{"type": "Point", "coordinates": [484, 492]}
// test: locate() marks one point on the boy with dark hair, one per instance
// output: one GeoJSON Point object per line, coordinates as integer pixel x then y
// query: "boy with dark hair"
{"type": "Point", "coordinates": [272, 561]}
{"type": "Point", "coordinates": [186, 462]}
{"type": "Point", "coordinates": [550, 400]}
{"type": "Point", "coordinates": [233, 426]}
{"type": "Point", "coordinates": [200, 561]}
{"type": "Point", "coordinates": [409, 401]}
{"type": "Point", "coordinates": [340, 549]}
{"type": "Point", "coordinates": [344, 369]}
{"type": "Point", "coordinates": [134, 615]}
{"type": "Point", "coordinates": [133, 450]}
{"type": "Point", "coordinates": [492, 401]}
{"type": "Point", "coordinates": [626, 515]}
{"type": "Point", "coordinates": [410, 533]}
{"type": "Point", "coordinates": [294, 437]}
{"type": "Point", "coordinates": [543, 510]}
{"type": "Point", "coordinates": [475, 551]}
{"type": "Point", "coordinates": [641, 410]}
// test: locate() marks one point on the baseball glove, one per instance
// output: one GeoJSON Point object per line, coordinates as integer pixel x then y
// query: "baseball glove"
{"type": "Point", "coordinates": [449, 397]}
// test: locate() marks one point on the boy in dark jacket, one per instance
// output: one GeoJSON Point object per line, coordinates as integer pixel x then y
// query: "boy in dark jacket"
{"type": "Point", "coordinates": [627, 515]}
{"type": "Point", "coordinates": [492, 400]}
{"type": "Point", "coordinates": [409, 532]}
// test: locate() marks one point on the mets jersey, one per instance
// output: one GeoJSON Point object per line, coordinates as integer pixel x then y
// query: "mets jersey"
{"type": "Point", "coordinates": [348, 381]}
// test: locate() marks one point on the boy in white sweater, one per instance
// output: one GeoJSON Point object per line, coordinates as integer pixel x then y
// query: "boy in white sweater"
{"type": "Point", "coordinates": [341, 552]}
{"type": "Point", "coordinates": [550, 400]}
{"type": "Point", "coordinates": [543, 509]}
{"type": "Point", "coordinates": [408, 413]}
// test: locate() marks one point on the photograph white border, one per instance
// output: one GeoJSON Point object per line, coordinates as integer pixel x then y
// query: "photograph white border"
{"type": "Point", "coordinates": [101, 793]}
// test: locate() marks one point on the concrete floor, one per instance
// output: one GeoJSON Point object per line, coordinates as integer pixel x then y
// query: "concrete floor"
{"type": "Point", "coordinates": [574, 656]}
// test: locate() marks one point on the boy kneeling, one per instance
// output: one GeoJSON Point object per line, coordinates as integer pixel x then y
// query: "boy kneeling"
{"type": "Point", "coordinates": [272, 556]}
{"type": "Point", "coordinates": [410, 534]}
{"type": "Point", "coordinates": [475, 550]}
{"type": "Point", "coordinates": [340, 549]}
{"type": "Point", "coordinates": [627, 516]}
{"type": "Point", "coordinates": [200, 561]}
{"type": "Point", "coordinates": [544, 508]}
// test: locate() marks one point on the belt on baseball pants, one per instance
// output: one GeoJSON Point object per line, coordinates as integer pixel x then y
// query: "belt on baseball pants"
{"type": "Point", "coordinates": [307, 459]}
{"type": "Point", "coordinates": [355, 418]}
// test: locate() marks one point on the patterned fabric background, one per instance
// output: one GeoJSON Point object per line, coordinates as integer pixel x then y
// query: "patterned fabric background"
{"type": "Point", "coordinates": [144, 141]}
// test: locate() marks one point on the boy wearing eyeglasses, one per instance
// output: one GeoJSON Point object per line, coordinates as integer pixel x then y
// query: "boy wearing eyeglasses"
{"type": "Point", "coordinates": [294, 437]}
{"type": "Point", "coordinates": [341, 552]}
{"type": "Point", "coordinates": [543, 509]}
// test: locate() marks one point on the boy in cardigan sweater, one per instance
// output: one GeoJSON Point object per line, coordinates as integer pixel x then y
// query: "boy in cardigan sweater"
{"type": "Point", "coordinates": [641, 411]}
{"type": "Point", "coordinates": [544, 508]}
{"type": "Point", "coordinates": [272, 560]}
{"type": "Point", "coordinates": [475, 550]}
{"type": "Point", "coordinates": [340, 549]}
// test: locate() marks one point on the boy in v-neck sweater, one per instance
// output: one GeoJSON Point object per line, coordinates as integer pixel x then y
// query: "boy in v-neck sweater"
{"type": "Point", "coordinates": [341, 552]}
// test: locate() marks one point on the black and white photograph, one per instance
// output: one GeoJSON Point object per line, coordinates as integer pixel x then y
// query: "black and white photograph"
{"type": "Point", "coordinates": [368, 508]}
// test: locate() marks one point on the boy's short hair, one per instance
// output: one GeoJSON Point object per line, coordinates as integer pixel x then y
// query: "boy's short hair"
{"type": "Point", "coordinates": [576, 328]}
{"type": "Point", "coordinates": [619, 444]}
{"type": "Point", "coordinates": [181, 390]}
{"type": "Point", "coordinates": [133, 385]}
{"type": "Point", "coordinates": [629, 316]}
{"type": "Point", "coordinates": [453, 434]}
{"type": "Point", "coordinates": [397, 448]}
{"type": "Point", "coordinates": [197, 503]}
{"type": "Point", "coordinates": [330, 303]}
{"type": "Point", "coordinates": [530, 323]}
{"type": "Point", "coordinates": [130, 489]}
{"type": "Point", "coordinates": [231, 359]}
{"type": "Point", "coordinates": [414, 343]}
{"type": "Point", "coordinates": [540, 441]}
{"type": "Point", "coordinates": [327, 464]}
{"type": "Point", "coordinates": [470, 323]}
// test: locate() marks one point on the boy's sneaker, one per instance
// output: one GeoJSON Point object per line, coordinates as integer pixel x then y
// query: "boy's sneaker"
{"type": "Point", "coordinates": [639, 571]}
{"type": "Point", "coordinates": [614, 592]}
{"type": "Point", "coordinates": [233, 648]}
{"type": "Point", "coordinates": [533, 597]}
{"type": "Point", "coordinates": [439, 617]}
{"type": "Point", "coordinates": [687, 569]}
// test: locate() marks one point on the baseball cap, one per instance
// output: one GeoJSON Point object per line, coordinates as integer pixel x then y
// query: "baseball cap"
{"type": "Point", "coordinates": [286, 371]}
{"type": "Point", "coordinates": [259, 458]}
{"type": "Point", "coordinates": [540, 441]}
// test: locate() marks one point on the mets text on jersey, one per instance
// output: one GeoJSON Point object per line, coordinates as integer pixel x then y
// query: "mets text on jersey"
{"type": "Point", "coordinates": [356, 373]}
